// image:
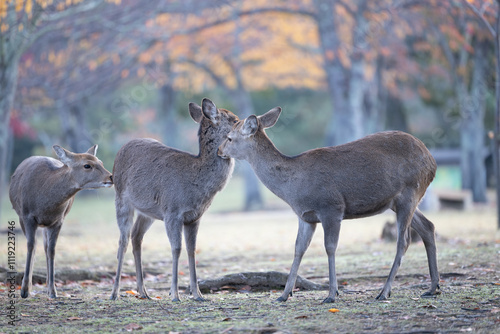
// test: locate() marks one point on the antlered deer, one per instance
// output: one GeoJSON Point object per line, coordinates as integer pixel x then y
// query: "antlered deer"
{"type": "Point", "coordinates": [386, 170]}
{"type": "Point", "coordinates": [42, 190]}
{"type": "Point", "coordinates": [177, 187]}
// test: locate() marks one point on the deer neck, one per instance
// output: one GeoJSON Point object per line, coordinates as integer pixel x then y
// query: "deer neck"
{"type": "Point", "coordinates": [270, 165]}
{"type": "Point", "coordinates": [63, 188]}
{"type": "Point", "coordinates": [208, 157]}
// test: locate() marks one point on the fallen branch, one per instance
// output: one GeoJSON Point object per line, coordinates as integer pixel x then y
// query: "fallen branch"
{"type": "Point", "coordinates": [258, 281]}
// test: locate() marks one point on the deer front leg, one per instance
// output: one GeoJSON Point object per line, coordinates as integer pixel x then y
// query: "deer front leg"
{"type": "Point", "coordinates": [190, 233]}
{"type": "Point", "coordinates": [142, 224]}
{"type": "Point", "coordinates": [332, 231]}
{"type": "Point", "coordinates": [174, 233]}
{"type": "Point", "coordinates": [50, 235]}
{"type": "Point", "coordinates": [30, 233]}
{"type": "Point", "coordinates": [304, 237]}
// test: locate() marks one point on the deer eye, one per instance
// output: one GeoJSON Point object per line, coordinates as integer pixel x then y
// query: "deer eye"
{"type": "Point", "coordinates": [87, 166]}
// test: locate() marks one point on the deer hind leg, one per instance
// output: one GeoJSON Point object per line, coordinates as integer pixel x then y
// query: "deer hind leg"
{"type": "Point", "coordinates": [142, 224]}
{"type": "Point", "coordinates": [425, 228]}
{"type": "Point", "coordinates": [332, 231]}
{"type": "Point", "coordinates": [50, 235]}
{"type": "Point", "coordinates": [304, 237]}
{"type": "Point", "coordinates": [124, 218]}
{"type": "Point", "coordinates": [174, 233]}
{"type": "Point", "coordinates": [30, 233]}
{"type": "Point", "coordinates": [404, 214]}
{"type": "Point", "coordinates": [190, 233]}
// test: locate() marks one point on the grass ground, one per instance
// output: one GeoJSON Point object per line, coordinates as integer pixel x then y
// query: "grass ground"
{"type": "Point", "coordinates": [229, 242]}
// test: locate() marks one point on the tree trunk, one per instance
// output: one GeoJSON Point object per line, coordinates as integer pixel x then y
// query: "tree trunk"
{"type": "Point", "coordinates": [167, 114]}
{"type": "Point", "coordinates": [496, 139]}
{"type": "Point", "coordinates": [8, 82]}
{"type": "Point", "coordinates": [472, 106]}
{"type": "Point", "coordinates": [357, 89]}
{"type": "Point", "coordinates": [81, 140]}
{"type": "Point", "coordinates": [376, 100]}
{"type": "Point", "coordinates": [339, 130]}
{"type": "Point", "coordinates": [73, 127]}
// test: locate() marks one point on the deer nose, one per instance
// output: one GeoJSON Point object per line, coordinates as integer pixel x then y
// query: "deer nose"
{"type": "Point", "coordinates": [111, 178]}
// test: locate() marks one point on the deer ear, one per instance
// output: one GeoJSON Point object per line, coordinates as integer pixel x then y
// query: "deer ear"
{"type": "Point", "coordinates": [64, 155]}
{"type": "Point", "coordinates": [250, 126]}
{"type": "Point", "coordinates": [209, 110]}
{"type": "Point", "coordinates": [270, 118]}
{"type": "Point", "coordinates": [92, 150]}
{"type": "Point", "coordinates": [195, 112]}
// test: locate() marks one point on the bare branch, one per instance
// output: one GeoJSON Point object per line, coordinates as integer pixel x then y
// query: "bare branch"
{"type": "Point", "coordinates": [249, 13]}
{"type": "Point", "coordinates": [480, 15]}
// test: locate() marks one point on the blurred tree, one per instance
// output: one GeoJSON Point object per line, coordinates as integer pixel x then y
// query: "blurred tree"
{"type": "Point", "coordinates": [466, 49]}
{"type": "Point", "coordinates": [479, 9]}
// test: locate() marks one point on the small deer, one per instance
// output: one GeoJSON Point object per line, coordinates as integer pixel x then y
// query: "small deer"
{"type": "Point", "coordinates": [386, 170]}
{"type": "Point", "coordinates": [177, 187]}
{"type": "Point", "coordinates": [42, 191]}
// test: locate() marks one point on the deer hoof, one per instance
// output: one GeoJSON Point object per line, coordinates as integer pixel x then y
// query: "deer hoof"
{"type": "Point", "coordinates": [25, 293]}
{"type": "Point", "coordinates": [430, 294]}
{"type": "Point", "coordinates": [281, 299]}
{"type": "Point", "coordinates": [200, 299]}
{"type": "Point", "coordinates": [383, 296]}
{"type": "Point", "coordinates": [328, 300]}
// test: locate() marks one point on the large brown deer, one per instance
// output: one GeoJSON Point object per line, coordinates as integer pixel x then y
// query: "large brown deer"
{"type": "Point", "coordinates": [177, 187]}
{"type": "Point", "coordinates": [386, 170]}
{"type": "Point", "coordinates": [42, 190]}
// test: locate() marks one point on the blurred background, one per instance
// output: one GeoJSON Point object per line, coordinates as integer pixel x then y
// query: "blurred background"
{"type": "Point", "coordinates": [86, 72]}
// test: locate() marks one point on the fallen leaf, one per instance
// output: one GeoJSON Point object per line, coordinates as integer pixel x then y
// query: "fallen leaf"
{"type": "Point", "coordinates": [133, 327]}
{"type": "Point", "coordinates": [334, 310]}
{"type": "Point", "coordinates": [227, 319]}
{"type": "Point", "coordinates": [88, 282]}
{"type": "Point", "coordinates": [74, 318]}
{"type": "Point", "coordinates": [131, 292]}
{"type": "Point", "coordinates": [303, 316]}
